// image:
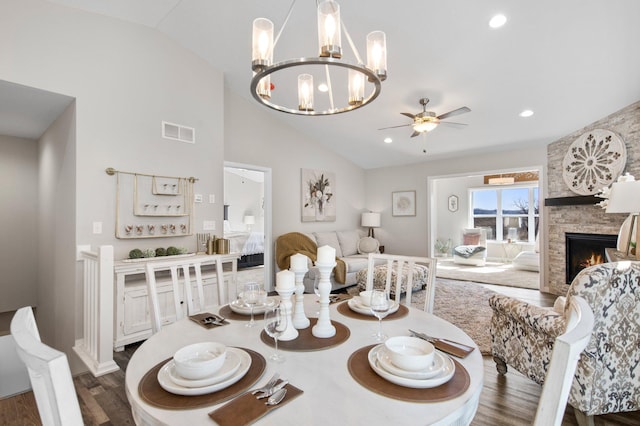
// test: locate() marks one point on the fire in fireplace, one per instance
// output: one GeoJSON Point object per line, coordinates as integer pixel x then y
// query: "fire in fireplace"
{"type": "Point", "coordinates": [584, 250]}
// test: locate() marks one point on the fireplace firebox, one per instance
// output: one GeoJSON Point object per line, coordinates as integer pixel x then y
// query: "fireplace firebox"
{"type": "Point", "coordinates": [584, 250]}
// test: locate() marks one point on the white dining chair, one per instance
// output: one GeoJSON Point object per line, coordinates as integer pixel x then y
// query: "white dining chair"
{"type": "Point", "coordinates": [564, 359]}
{"type": "Point", "coordinates": [180, 267]}
{"type": "Point", "coordinates": [49, 373]}
{"type": "Point", "coordinates": [405, 268]}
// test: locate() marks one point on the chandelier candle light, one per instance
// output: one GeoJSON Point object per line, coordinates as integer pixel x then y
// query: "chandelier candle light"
{"type": "Point", "coordinates": [329, 67]}
{"type": "Point", "coordinates": [325, 262]}
{"type": "Point", "coordinates": [285, 286]}
{"type": "Point", "coordinates": [299, 267]}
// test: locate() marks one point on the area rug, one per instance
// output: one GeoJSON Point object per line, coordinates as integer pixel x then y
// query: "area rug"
{"type": "Point", "coordinates": [491, 273]}
{"type": "Point", "coordinates": [465, 305]}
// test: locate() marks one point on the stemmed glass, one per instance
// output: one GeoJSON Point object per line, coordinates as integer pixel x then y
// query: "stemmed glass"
{"type": "Point", "coordinates": [275, 323]}
{"type": "Point", "coordinates": [380, 305]}
{"type": "Point", "coordinates": [251, 296]}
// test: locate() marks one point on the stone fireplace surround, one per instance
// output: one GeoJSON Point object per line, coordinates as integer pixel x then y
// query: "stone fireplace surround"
{"type": "Point", "coordinates": [566, 217]}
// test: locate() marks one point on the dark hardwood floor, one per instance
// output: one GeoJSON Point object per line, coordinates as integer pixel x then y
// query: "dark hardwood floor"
{"type": "Point", "coordinates": [505, 400]}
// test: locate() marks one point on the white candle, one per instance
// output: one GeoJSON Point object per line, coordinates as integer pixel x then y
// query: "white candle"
{"type": "Point", "coordinates": [326, 254]}
{"type": "Point", "coordinates": [298, 261]}
{"type": "Point", "coordinates": [285, 280]}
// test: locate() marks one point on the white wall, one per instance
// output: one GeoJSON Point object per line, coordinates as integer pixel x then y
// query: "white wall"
{"type": "Point", "coordinates": [449, 225]}
{"type": "Point", "coordinates": [18, 216]}
{"type": "Point", "coordinates": [267, 144]}
{"type": "Point", "coordinates": [126, 79]}
{"type": "Point", "coordinates": [408, 235]}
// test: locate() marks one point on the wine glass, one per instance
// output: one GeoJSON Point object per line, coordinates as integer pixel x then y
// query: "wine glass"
{"type": "Point", "coordinates": [250, 297]}
{"type": "Point", "coordinates": [380, 305]}
{"type": "Point", "coordinates": [275, 323]}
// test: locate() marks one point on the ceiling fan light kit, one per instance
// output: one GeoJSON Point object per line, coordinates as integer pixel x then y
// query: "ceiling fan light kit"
{"type": "Point", "coordinates": [363, 82]}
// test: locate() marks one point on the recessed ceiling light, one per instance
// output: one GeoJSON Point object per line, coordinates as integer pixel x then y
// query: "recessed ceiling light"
{"type": "Point", "coordinates": [526, 113]}
{"type": "Point", "coordinates": [322, 87]}
{"type": "Point", "coordinates": [497, 21]}
{"type": "Point", "coordinates": [388, 140]}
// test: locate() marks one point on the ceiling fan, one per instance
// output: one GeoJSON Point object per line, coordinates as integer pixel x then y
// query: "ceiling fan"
{"type": "Point", "coordinates": [426, 121]}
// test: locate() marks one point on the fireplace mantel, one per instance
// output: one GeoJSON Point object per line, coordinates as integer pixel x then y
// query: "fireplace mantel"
{"type": "Point", "coordinates": [572, 201]}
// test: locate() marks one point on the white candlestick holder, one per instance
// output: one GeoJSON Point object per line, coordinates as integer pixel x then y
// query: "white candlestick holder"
{"type": "Point", "coordinates": [300, 320]}
{"type": "Point", "coordinates": [285, 303]}
{"type": "Point", "coordinates": [323, 327]}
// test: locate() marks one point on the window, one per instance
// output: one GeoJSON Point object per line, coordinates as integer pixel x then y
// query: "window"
{"type": "Point", "coordinates": [506, 213]}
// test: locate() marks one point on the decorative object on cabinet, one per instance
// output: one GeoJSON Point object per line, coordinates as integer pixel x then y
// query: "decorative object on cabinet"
{"type": "Point", "coordinates": [318, 196]}
{"type": "Point", "coordinates": [403, 203]}
{"type": "Point", "coordinates": [154, 198]}
{"type": "Point", "coordinates": [453, 203]}
{"type": "Point", "coordinates": [593, 161]}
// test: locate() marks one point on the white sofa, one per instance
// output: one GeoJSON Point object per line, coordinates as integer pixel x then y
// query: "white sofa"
{"type": "Point", "coordinates": [353, 247]}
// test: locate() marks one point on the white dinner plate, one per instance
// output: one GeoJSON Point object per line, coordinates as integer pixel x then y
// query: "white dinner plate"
{"type": "Point", "coordinates": [229, 367]}
{"type": "Point", "coordinates": [442, 377]}
{"type": "Point", "coordinates": [436, 367]}
{"type": "Point", "coordinates": [167, 384]}
{"type": "Point", "coordinates": [356, 306]}
{"type": "Point", "coordinates": [239, 308]}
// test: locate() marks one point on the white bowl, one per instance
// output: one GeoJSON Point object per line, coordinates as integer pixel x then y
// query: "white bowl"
{"type": "Point", "coordinates": [199, 360]}
{"type": "Point", "coordinates": [410, 353]}
{"type": "Point", "coordinates": [365, 298]}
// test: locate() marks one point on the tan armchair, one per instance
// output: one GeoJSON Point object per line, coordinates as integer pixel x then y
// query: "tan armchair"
{"type": "Point", "coordinates": [607, 378]}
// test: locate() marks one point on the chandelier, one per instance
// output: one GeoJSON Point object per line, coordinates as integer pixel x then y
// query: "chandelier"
{"type": "Point", "coordinates": [343, 85]}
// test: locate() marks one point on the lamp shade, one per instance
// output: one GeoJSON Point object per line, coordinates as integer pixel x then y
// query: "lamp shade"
{"type": "Point", "coordinates": [624, 197]}
{"type": "Point", "coordinates": [371, 220]}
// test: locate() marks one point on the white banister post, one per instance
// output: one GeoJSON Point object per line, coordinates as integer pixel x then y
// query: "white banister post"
{"type": "Point", "coordinates": [95, 349]}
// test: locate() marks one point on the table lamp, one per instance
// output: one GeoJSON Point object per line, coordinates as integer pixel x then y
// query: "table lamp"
{"type": "Point", "coordinates": [371, 220]}
{"type": "Point", "coordinates": [624, 197]}
{"type": "Point", "coordinates": [248, 221]}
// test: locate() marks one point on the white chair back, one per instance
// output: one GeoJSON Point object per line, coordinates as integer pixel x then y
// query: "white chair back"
{"type": "Point", "coordinates": [564, 359]}
{"type": "Point", "coordinates": [400, 264]}
{"type": "Point", "coordinates": [49, 373]}
{"type": "Point", "coordinates": [177, 268]}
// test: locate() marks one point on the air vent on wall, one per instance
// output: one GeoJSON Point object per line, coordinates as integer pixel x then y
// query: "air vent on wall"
{"type": "Point", "coordinates": [178, 132]}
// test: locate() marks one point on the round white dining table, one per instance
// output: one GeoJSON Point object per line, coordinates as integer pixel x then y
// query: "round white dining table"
{"type": "Point", "coordinates": [331, 395]}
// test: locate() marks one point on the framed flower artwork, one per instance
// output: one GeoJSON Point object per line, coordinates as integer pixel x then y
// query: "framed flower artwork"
{"type": "Point", "coordinates": [403, 203]}
{"type": "Point", "coordinates": [318, 196]}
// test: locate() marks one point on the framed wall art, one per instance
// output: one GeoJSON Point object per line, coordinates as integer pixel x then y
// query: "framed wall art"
{"type": "Point", "coordinates": [453, 203]}
{"type": "Point", "coordinates": [318, 196]}
{"type": "Point", "coordinates": [403, 203]}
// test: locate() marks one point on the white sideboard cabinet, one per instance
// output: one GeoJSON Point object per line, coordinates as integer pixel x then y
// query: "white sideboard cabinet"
{"type": "Point", "coordinates": [132, 320]}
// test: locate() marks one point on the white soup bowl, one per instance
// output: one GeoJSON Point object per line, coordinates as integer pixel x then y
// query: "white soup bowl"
{"type": "Point", "coordinates": [199, 360]}
{"type": "Point", "coordinates": [410, 353]}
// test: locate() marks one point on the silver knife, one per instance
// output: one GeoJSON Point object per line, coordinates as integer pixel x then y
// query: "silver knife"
{"type": "Point", "coordinates": [445, 345]}
{"type": "Point", "coordinates": [274, 389]}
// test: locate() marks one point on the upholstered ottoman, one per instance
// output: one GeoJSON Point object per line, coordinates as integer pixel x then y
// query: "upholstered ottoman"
{"type": "Point", "coordinates": [420, 274]}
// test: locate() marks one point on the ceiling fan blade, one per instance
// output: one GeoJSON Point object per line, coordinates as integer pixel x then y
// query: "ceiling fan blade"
{"type": "Point", "coordinates": [451, 122]}
{"type": "Point", "coordinates": [408, 114]}
{"type": "Point", "coordinates": [393, 127]}
{"type": "Point", "coordinates": [454, 112]}
{"type": "Point", "coordinates": [414, 134]}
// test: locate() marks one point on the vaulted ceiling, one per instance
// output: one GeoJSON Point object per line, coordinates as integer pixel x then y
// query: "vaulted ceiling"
{"type": "Point", "coordinates": [571, 62]}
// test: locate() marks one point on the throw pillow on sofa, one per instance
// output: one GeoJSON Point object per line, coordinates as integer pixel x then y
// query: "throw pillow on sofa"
{"type": "Point", "coordinates": [368, 245]}
{"type": "Point", "coordinates": [348, 242]}
{"type": "Point", "coordinates": [328, 239]}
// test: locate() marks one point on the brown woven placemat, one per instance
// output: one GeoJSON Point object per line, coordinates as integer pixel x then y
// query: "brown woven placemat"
{"type": "Point", "coordinates": [307, 341]}
{"type": "Point", "coordinates": [362, 372]}
{"type": "Point", "coordinates": [152, 393]}
{"type": "Point", "coordinates": [246, 409]}
{"type": "Point", "coordinates": [345, 310]}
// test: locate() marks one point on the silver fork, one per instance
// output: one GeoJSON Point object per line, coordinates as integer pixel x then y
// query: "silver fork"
{"type": "Point", "coordinates": [271, 383]}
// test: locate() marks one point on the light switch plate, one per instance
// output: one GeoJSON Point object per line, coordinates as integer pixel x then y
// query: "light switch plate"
{"type": "Point", "coordinates": [197, 198]}
{"type": "Point", "coordinates": [209, 225]}
{"type": "Point", "coordinates": [212, 198]}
